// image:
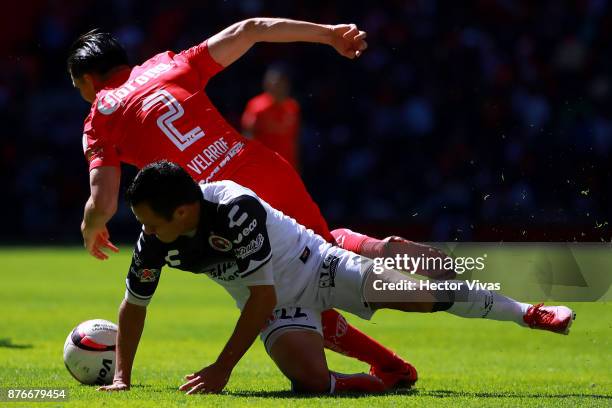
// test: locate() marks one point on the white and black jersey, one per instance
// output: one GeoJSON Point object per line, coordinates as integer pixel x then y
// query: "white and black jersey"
{"type": "Point", "coordinates": [240, 241]}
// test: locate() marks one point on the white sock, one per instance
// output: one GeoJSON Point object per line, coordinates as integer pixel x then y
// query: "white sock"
{"type": "Point", "coordinates": [489, 305]}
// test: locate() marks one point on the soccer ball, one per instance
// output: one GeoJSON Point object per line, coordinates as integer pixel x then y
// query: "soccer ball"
{"type": "Point", "coordinates": [89, 352]}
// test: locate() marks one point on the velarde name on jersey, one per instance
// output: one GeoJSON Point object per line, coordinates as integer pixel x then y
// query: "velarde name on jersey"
{"type": "Point", "coordinates": [209, 155]}
{"type": "Point", "coordinates": [112, 99]}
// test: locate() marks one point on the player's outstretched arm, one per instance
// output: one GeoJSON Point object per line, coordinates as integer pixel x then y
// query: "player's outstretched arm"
{"type": "Point", "coordinates": [230, 44]}
{"type": "Point", "coordinates": [131, 324]}
{"type": "Point", "coordinates": [256, 311]}
{"type": "Point", "coordinates": [99, 209]}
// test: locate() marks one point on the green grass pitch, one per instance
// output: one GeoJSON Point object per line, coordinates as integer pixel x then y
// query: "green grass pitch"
{"type": "Point", "coordinates": [44, 293]}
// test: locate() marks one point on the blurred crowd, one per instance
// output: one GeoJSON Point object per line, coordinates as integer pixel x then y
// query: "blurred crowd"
{"type": "Point", "coordinates": [485, 120]}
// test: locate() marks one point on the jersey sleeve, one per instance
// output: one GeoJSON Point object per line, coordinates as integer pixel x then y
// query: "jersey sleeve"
{"type": "Point", "coordinates": [97, 144]}
{"type": "Point", "coordinates": [145, 271]}
{"type": "Point", "coordinates": [245, 219]}
{"type": "Point", "coordinates": [199, 58]}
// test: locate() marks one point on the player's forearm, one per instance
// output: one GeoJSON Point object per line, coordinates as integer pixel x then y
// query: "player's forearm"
{"type": "Point", "coordinates": [131, 325]}
{"type": "Point", "coordinates": [252, 319]}
{"type": "Point", "coordinates": [233, 42]}
{"type": "Point", "coordinates": [263, 29]}
{"type": "Point", "coordinates": [102, 204]}
{"type": "Point", "coordinates": [98, 211]}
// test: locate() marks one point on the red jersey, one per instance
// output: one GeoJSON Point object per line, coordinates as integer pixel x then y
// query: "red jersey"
{"type": "Point", "coordinates": [159, 110]}
{"type": "Point", "coordinates": [275, 124]}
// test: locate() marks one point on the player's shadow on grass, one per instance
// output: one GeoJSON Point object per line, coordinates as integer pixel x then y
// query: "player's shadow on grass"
{"type": "Point", "coordinates": [291, 394]}
{"type": "Point", "coordinates": [411, 392]}
{"type": "Point", "coordinates": [407, 392]}
{"type": "Point", "coordinates": [8, 343]}
{"type": "Point", "coordinates": [455, 394]}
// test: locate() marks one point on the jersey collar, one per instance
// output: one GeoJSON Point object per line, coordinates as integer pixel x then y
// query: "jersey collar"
{"type": "Point", "coordinates": [208, 212]}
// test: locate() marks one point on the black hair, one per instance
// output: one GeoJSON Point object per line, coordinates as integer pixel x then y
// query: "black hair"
{"type": "Point", "coordinates": [164, 186]}
{"type": "Point", "coordinates": [95, 52]}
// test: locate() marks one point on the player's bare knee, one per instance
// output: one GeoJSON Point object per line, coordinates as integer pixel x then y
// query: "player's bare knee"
{"type": "Point", "coordinates": [299, 355]}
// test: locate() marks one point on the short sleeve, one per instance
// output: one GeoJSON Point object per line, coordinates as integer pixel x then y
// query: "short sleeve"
{"type": "Point", "coordinates": [97, 145]}
{"type": "Point", "coordinates": [199, 58]}
{"type": "Point", "coordinates": [144, 273]}
{"type": "Point", "coordinates": [245, 225]}
{"type": "Point", "coordinates": [264, 275]}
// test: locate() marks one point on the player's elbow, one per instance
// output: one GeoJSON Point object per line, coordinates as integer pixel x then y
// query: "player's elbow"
{"type": "Point", "coordinates": [251, 29]}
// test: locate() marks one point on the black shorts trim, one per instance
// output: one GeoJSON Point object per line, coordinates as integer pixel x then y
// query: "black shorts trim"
{"type": "Point", "coordinates": [303, 326]}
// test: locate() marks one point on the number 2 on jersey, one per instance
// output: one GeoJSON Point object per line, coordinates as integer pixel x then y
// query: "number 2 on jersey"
{"type": "Point", "coordinates": [165, 121]}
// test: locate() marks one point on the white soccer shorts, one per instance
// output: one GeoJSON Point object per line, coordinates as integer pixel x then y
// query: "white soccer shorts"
{"type": "Point", "coordinates": [339, 284]}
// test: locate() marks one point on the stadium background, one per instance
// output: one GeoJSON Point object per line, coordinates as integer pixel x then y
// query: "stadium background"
{"type": "Point", "coordinates": [487, 120]}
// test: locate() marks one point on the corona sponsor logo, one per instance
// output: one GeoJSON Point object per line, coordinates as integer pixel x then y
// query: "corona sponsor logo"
{"type": "Point", "coordinates": [111, 100]}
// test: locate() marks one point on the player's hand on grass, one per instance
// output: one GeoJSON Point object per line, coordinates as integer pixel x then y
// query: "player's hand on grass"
{"type": "Point", "coordinates": [211, 379]}
{"type": "Point", "coordinates": [117, 385]}
{"type": "Point", "coordinates": [348, 40]}
{"type": "Point", "coordinates": [96, 239]}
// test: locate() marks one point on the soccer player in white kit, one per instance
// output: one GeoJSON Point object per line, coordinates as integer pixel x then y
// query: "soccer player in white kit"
{"type": "Point", "coordinates": [281, 276]}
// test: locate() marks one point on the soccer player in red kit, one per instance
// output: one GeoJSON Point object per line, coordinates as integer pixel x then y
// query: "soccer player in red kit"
{"type": "Point", "coordinates": [159, 110]}
{"type": "Point", "coordinates": [273, 117]}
